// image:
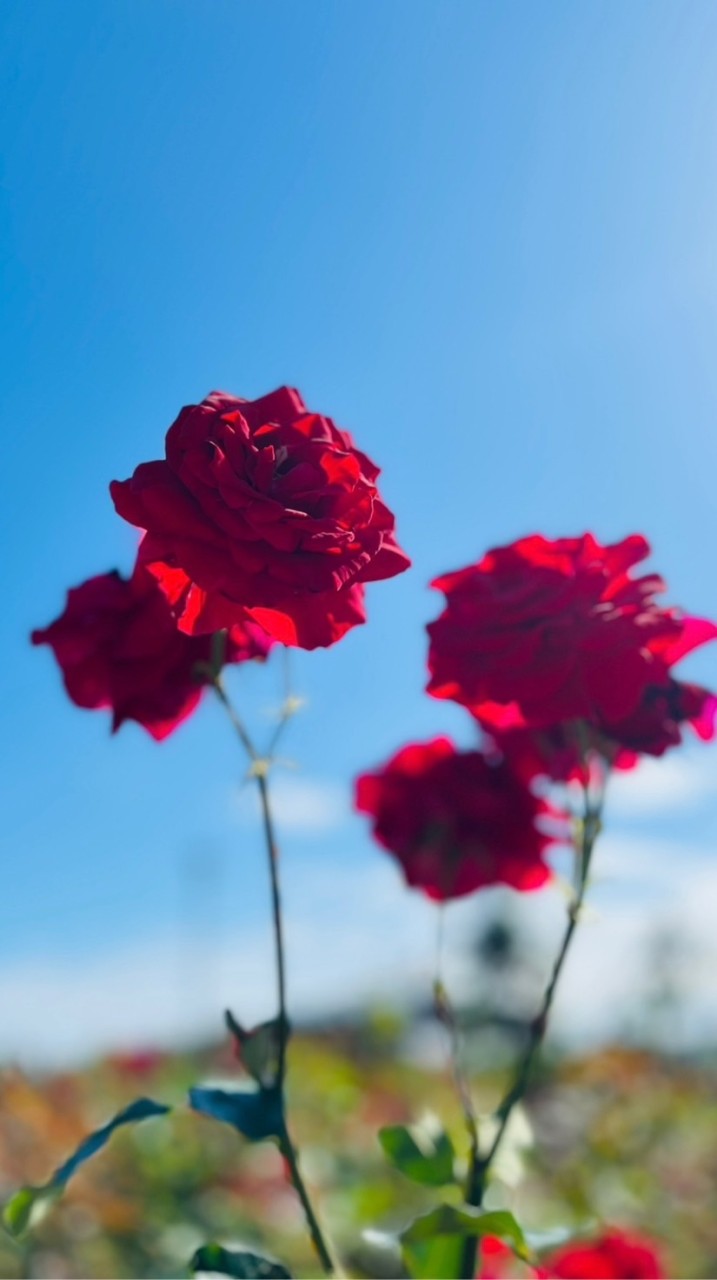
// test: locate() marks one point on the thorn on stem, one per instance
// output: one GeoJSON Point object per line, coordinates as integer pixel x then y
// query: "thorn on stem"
{"type": "Point", "coordinates": [259, 768]}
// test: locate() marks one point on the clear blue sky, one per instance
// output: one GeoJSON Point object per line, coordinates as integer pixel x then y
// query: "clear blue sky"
{"type": "Point", "coordinates": [482, 236]}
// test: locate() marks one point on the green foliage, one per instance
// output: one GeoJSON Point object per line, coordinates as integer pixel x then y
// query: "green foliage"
{"type": "Point", "coordinates": [258, 1049]}
{"type": "Point", "coordinates": [438, 1258]}
{"type": "Point", "coordinates": [28, 1207]}
{"type": "Point", "coordinates": [256, 1113]}
{"type": "Point", "coordinates": [432, 1245]}
{"type": "Point", "coordinates": [634, 1128]}
{"type": "Point", "coordinates": [30, 1203]}
{"type": "Point", "coordinates": [242, 1265]}
{"type": "Point", "coordinates": [421, 1154]}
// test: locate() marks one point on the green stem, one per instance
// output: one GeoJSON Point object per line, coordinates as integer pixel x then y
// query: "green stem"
{"type": "Point", "coordinates": [260, 769]}
{"type": "Point", "coordinates": [289, 1152]}
{"type": "Point", "coordinates": [278, 922]}
{"type": "Point", "coordinates": [447, 1017]}
{"type": "Point", "coordinates": [479, 1165]}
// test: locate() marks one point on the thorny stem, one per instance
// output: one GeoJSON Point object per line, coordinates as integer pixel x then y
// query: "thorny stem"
{"type": "Point", "coordinates": [277, 918]}
{"type": "Point", "coordinates": [288, 707]}
{"type": "Point", "coordinates": [479, 1165]}
{"type": "Point", "coordinates": [236, 723]}
{"type": "Point", "coordinates": [259, 769]}
{"type": "Point", "coordinates": [288, 1150]}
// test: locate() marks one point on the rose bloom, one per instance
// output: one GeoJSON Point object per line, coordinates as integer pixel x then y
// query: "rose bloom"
{"type": "Point", "coordinates": [566, 752]}
{"type": "Point", "coordinates": [539, 633]}
{"type": "Point", "coordinates": [612, 1256]}
{"type": "Point", "coordinates": [496, 1261]}
{"type": "Point", "coordinates": [118, 646]}
{"type": "Point", "coordinates": [657, 723]}
{"type": "Point", "coordinates": [455, 821]}
{"type": "Point", "coordinates": [269, 511]}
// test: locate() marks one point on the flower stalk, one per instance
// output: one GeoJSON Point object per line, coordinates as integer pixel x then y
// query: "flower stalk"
{"type": "Point", "coordinates": [479, 1165]}
{"type": "Point", "coordinates": [259, 767]}
{"type": "Point", "coordinates": [446, 1016]}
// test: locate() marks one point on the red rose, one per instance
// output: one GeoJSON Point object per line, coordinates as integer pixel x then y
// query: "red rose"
{"type": "Point", "coordinates": [656, 723]}
{"type": "Point", "coordinates": [118, 646]}
{"type": "Point", "coordinates": [654, 726]}
{"type": "Point", "coordinates": [268, 510]}
{"type": "Point", "coordinates": [539, 633]}
{"type": "Point", "coordinates": [455, 821]}
{"type": "Point", "coordinates": [554, 753]}
{"type": "Point", "coordinates": [613, 1256]}
{"type": "Point", "coordinates": [498, 1262]}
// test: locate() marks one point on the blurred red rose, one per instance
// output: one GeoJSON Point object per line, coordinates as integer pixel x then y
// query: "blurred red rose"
{"type": "Point", "coordinates": [498, 1262]}
{"type": "Point", "coordinates": [613, 1256]}
{"type": "Point", "coordinates": [137, 1063]}
{"type": "Point", "coordinates": [540, 632]}
{"type": "Point", "coordinates": [657, 723]}
{"type": "Point", "coordinates": [555, 753]}
{"type": "Point", "coordinates": [118, 646]}
{"type": "Point", "coordinates": [455, 821]}
{"type": "Point", "coordinates": [268, 510]}
{"type": "Point", "coordinates": [563, 752]}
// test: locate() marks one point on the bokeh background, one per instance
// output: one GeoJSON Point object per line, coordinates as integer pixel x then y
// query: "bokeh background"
{"type": "Point", "coordinates": [482, 237]}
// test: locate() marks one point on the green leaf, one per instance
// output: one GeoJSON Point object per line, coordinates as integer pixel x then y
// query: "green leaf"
{"type": "Point", "coordinates": [258, 1048]}
{"type": "Point", "coordinates": [423, 1156]}
{"type": "Point", "coordinates": [245, 1266]}
{"type": "Point", "coordinates": [27, 1207]}
{"type": "Point", "coordinates": [437, 1259]}
{"type": "Point", "coordinates": [432, 1245]}
{"type": "Point", "coordinates": [29, 1204]}
{"type": "Point", "coordinates": [446, 1220]}
{"type": "Point", "coordinates": [256, 1113]}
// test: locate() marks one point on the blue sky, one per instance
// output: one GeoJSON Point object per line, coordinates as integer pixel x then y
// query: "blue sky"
{"type": "Point", "coordinates": [481, 236]}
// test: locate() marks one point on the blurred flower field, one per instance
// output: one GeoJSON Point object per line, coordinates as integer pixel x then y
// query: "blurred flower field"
{"type": "Point", "coordinates": [620, 1136]}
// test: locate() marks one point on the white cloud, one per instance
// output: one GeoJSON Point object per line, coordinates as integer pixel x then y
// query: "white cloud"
{"type": "Point", "coordinates": [307, 806]}
{"type": "Point", "coordinates": [627, 863]}
{"type": "Point", "coordinates": [354, 934]}
{"type": "Point", "coordinates": [615, 953]}
{"type": "Point", "coordinates": [673, 783]}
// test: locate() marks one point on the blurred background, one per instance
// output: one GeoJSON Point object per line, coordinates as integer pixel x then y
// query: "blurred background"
{"type": "Point", "coordinates": [482, 237]}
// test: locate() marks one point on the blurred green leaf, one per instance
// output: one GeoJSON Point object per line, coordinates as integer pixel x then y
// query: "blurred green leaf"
{"type": "Point", "coordinates": [437, 1259]}
{"type": "Point", "coordinates": [27, 1207]}
{"type": "Point", "coordinates": [423, 1156]}
{"type": "Point", "coordinates": [432, 1245]}
{"type": "Point", "coordinates": [245, 1266]}
{"type": "Point", "coordinates": [256, 1113]}
{"type": "Point", "coordinates": [258, 1048]}
{"type": "Point", "coordinates": [28, 1204]}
